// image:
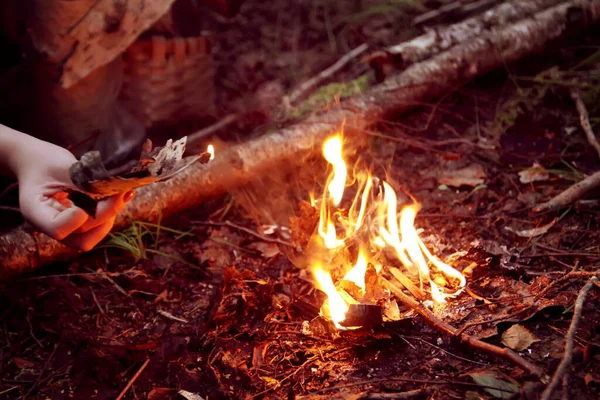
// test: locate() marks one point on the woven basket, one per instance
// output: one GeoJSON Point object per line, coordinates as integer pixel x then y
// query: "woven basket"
{"type": "Point", "coordinates": [169, 80]}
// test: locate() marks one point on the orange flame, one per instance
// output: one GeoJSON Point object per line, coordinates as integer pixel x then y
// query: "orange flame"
{"type": "Point", "coordinates": [384, 228]}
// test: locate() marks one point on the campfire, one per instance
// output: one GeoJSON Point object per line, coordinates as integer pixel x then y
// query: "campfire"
{"type": "Point", "coordinates": [361, 236]}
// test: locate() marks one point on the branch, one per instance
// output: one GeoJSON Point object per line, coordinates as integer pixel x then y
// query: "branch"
{"type": "Point", "coordinates": [568, 355]}
{"type": "Point", "coordinates": [301, 89]}
{"type": "Point", "coordinates": [584, 120]}
{"type": "Point", "coordinates": [571, 194]}
{"type": "Point", "coordinates": [437, 323]}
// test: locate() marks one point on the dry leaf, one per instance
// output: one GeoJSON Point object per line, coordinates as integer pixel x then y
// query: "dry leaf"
{"type": "Point", "coordinates": [94, 182]}
{"type": "Point", "coordinates": [21, 363]}
{"type": "Point", "coordinates": [497, 385]}
{"type": "Point", "coordinates": [472, 175]}
{"type": "Point", "coordinates": [537, 231]}
{"type": "Point", "coordinates": [535, 173]}
{"type": "Point", "coordinates": [159, 393]}
{"type": "Point", "coordinates": [518, 338]}
{"type": "Point", "coordinates": [190, 395]}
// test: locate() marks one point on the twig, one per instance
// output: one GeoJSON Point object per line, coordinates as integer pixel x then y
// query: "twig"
{"type": "Point", "coordinates": [209, 130]}
{"type": "Point", "coordinates": [168, 315]}
{"type": "Point", "coordinates": [96, 301]}
{"type": "Point", "coordinates": [247, 230]}
{"type": "Point", "coordinates": [584, 120]}
{"type": "Point", "coordinates": [39, 378]}
{"type": "Point", "coordinates": [571, 194]}
{"type": "Point", "coordinates": [568, 355]}
{"type": "Point", "coordinates": [133, 379]}
{"type": "Point", "coordinates": [434, 321]}
{"type": "Point", "coordinates": [11, 209]}
{"type": "Point", "coordinates": [400, 379]}
{"type": "Point", "coordinates": [410, 394]}
{"type": "Point", "coordinates": [305, 86]}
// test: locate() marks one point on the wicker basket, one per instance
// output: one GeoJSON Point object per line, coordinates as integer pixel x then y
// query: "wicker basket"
{"type": "Point", "coordinates": [169, 80]}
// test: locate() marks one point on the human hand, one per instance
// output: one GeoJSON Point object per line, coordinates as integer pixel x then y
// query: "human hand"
{"type": "Point", "coordinates": [43, 173]}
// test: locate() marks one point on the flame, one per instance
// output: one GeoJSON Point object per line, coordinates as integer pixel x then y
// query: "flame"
{"type": "Point", "coordinates": [357, 273]}
{"type": "Point", "coordinates": [337, 305]}
{"type": "Point", "coordinates": [211, 150]}
{"type": "Point", "coordinates": [332, 151]}
{"type": "Point", "coordinates": [372, 222]}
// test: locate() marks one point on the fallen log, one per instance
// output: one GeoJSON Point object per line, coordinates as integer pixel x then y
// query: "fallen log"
{"type": "Point", "coordinates": [23, 250]}
{"type": "Point", "coordinates": [437, 40]}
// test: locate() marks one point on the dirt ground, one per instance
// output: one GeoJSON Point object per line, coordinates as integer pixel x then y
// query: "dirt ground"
{"type": "Point", "coordinates": [204, 303]}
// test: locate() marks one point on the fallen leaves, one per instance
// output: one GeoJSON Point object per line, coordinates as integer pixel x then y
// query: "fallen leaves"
{"type": "Point", "coordinates": [535, 173]}
{"type": "Point", "coordinates": [537, 231]}
{"type": "Point", "coordinates": [518, 338]}
{"type": "Point", "coordinates": [471, 175]}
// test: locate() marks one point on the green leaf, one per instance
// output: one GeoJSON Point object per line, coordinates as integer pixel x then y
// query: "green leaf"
{"type": "Point", "coordinates": [499, 388]}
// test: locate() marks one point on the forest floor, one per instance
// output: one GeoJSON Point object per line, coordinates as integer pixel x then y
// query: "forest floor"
{"type": "Point", "coordinates": [210, 303]}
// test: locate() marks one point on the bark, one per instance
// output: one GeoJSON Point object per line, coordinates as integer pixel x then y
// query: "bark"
{"type": "Point", "coordinates": [84, 35]}
{"type": "Point", "coordinates": [21, 251]}
{"type": "Point", "coordinates": [440, 39]}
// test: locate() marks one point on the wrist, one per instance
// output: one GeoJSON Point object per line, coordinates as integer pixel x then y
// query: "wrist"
{"type": "Point", "coordinates": [17, 151]}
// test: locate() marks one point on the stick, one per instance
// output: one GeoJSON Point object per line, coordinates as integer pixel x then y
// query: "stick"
{"type": "Point", "coordinates": [568, 355]}
{"type": "Point", "coordinates": [410, 394]}
{"type": "Point", "coordinates": [301, 89]}
{"type": "Point", "coordinates": [209, 130]}
{"type": "Point", "coordinates": [571, 194]}
{"type": "Point", "coordinates": [133, 379]}
{"type": "Point", "coordinates": [452, 8]}
{"type": "Point", "coordinates": [437, 323]}
{"type": "Point", "coordinates": [584, 120]}
{"type": "Point", "coordinates": [24, 250]}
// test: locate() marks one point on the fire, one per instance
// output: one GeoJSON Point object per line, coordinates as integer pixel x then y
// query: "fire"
{"type": "Point", "coordinates": [384, 238]}
{"type": "Point", "coordinates": [211, 149]}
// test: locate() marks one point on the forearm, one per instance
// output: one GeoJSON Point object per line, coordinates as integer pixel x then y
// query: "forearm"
{"type": "Point", "coordinates": [14, 147]}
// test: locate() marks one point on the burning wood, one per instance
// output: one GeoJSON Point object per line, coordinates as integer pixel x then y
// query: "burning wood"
{"type": "Point", "coordinates": [385, 240]}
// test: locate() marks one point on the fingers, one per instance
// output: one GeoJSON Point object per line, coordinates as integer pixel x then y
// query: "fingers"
{"type": "Point", "coordinates": [52, 218]}
{"type": "Point", "coordinates": [88, 240]}
{"type": "Point", "coordinates": [106, 210]}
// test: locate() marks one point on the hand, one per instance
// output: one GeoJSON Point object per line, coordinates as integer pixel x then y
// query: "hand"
{"type": "Point", "coordinates": [43, 172]}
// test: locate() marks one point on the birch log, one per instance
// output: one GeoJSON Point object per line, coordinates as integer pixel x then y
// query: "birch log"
{"type": "Point", "coordinates": [23, 251]}
{"type": "Point", "coordinates": [441, 39]}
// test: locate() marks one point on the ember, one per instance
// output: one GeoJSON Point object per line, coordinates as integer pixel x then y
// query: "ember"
{"type": "Point", "coordinates": [384, 239]}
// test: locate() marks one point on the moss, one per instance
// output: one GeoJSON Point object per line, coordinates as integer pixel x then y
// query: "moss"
{"type": "Point", "coordinates": [331, 93]}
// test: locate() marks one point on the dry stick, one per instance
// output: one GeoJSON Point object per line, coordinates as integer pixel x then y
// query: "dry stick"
{"type": "Point", "coordinates": [571, 194]}
{"type": "Point", "coordinates": [209, 130]}
{"type": "Point", "coordinates": [24, 250]}
{"type": "Point", "coordinates": [584, 120]}
{"type": "Point", "coordinates": [568, 355]}
{"type": "Point", "coordinates": [410, 394]}
{"type": "Point", "coordinates": [304, 87]}
{"type": "Point", "coordinates": [133, 379]}
{"type": "Point", "coordinates": [434, 321]}
{"type": "Point", "coordinates": [579, 189]}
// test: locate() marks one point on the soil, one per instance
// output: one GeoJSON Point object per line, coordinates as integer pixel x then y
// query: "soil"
{"type": "Point", "coordinates": [205, 304]}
